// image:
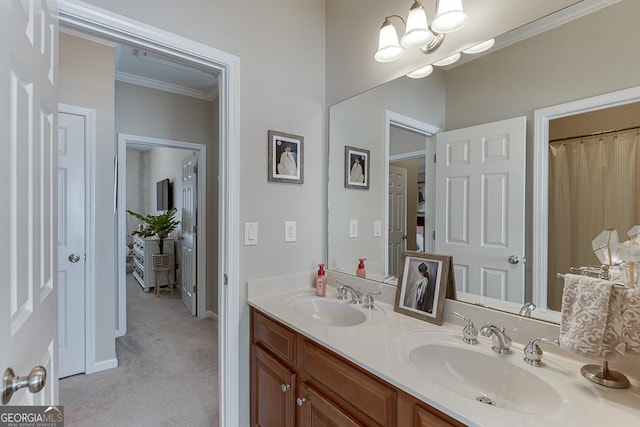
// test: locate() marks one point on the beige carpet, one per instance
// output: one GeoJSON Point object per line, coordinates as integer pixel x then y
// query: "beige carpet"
{"type": "Point", "coordinates": [167, 373]}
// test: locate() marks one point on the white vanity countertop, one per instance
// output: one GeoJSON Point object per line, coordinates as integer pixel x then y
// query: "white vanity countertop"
{"type": "Point", "coordinates": [374, 347]}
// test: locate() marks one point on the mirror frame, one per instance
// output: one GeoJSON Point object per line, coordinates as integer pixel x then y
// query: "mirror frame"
{"type": "Point", "coordinates": [541, 174]}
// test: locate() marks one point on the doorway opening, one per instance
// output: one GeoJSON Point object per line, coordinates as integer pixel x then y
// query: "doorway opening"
{"type": "Point", "coordinates": [145, 146]}
{"type": "Point", "coordinates": [94, 22]}
{"type": "Point", "coordinates": [409, 148]}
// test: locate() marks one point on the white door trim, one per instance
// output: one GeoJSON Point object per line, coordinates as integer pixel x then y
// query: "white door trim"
{"type": "Point", "coordinates": [90, 20]}
{"type": "Point", "coordinates": [123, 140]}
{"type": "Point", "coordinates": [89, 115]}
{"type": "Point", "coordinates": [541, 174]}
{"type": "Point", "coordinates": [426, 129]}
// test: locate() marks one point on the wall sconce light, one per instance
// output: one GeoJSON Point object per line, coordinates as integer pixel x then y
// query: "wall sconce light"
{"type": "Point", "coordinates": [418, 34]}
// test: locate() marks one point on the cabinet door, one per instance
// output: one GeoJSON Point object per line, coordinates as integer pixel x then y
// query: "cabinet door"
{"type": "Point", "coordinates": [414, 413]}
{"type": "Point", "coordinates": [317, 411]}
{"type": "Point", "coordinates": [273, 391]}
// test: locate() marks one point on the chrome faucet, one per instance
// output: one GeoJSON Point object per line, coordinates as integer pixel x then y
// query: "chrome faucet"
{"type": "Point", "coordinates": [368, 304]}
{"type": "Point", "coordinates": [533, 352]}
{"type": "Point", "coordinates": [469, 333]}
{"type": "Point", "coordinates": [343, 291]}
{"type": "Point", "coordinates": [526, 309]}
{"type": "Point", "coordinates": [501, 341]}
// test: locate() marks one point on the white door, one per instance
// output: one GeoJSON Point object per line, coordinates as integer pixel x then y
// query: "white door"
{"type": "Point", "coordinates": [480, 185]}
{"type": "Point", "coordinates": [28, 286]}
{"type": "Point", "coordinates": [397, 217]}
{"type": "Point", "coordinates": [71, 259]}
{"type": "Point", "coordinates": [188, 265]}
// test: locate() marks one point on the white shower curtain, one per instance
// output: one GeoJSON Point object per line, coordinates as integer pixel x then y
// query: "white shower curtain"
{"type": "Point", "coordinates": [593, 185]}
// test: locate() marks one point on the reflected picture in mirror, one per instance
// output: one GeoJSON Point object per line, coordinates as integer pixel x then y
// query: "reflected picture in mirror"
{"type": "Point", "coordinates": [356, 173]}
{"type": "Point", "coordinates": [520, 76]}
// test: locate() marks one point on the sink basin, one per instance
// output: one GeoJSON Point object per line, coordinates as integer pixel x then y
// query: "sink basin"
{"type": "Point", "coordinates": [332, 313]}
{"type": "Point", "coordinates": [328, 311]}
{"type": "Point", "coordinates": [478, 373]}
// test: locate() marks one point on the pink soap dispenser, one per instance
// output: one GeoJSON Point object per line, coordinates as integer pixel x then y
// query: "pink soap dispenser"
{"type": "Point", "coordinates": [321, 281]}
{"type": "Point", "coordinates": [361, 271]}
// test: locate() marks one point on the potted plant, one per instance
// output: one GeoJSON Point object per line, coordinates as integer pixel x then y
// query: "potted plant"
{"type": "Point", "coordinates": [160, 225]}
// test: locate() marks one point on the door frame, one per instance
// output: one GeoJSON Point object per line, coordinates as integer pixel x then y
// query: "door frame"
{"type": "Point", "coordinates": [426, 129]}
{"type": "Point", "coordinates": [89, 115]}
{"type": "Point", "coordinates": [201, 255]}
{"type": "Point", "coordinates": [89, 20]}
{"type": "Point", "coordinates": [541, 175]}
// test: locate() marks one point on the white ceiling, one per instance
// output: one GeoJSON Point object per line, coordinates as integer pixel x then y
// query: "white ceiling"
{"type": "Point", "coordinates": [152, 70]}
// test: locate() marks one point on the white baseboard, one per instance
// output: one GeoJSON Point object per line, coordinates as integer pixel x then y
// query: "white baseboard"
{"type": "Point", "coordinates": [211, 314]}
{"type": "Point", "coordinates": [103, 365]}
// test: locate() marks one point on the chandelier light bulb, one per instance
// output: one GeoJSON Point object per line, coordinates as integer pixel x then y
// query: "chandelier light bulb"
{"type": "Point", "coordinates": [480, 47]}
{"type": "Point", "coordinates": [450, 17]}
{"type": "Point", "coordinates": [448, 60]}
{"type": "Point", "coordinates": [417, 34]}
{"type": "Point", "coordinates": [421, 72]}
{"type": "Point", "coordinates": [388, 47]}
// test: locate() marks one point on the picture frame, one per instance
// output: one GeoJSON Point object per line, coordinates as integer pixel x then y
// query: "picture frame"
{"type": "Point", "coordinates": [286, 157]}
{"type": "Point", "coordinates": [424, 281]}
{"type": "Point", "coordinates": [356, 168]}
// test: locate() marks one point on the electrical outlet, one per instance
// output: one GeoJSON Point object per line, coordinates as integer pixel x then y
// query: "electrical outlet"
{"type": "Point", "coordinates": [353, 228]}
{"type": "Point", "coordinates": [250, 233]}
{"type": "Point", "coordinates": [289, 231]}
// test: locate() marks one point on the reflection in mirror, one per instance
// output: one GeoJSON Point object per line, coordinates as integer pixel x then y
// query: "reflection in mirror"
{"type": "Point", "coordinates": [405, 199]}
{"type": "Point", "coordinates": [594, 159]}
{"type": "Point", "coordinates": [558, 66]}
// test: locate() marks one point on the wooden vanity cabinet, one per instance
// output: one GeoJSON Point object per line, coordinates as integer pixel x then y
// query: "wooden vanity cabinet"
{"type": "Point", "coordinates": [415, 413]}
{"type": "Point", "coordinates": [295, 381]}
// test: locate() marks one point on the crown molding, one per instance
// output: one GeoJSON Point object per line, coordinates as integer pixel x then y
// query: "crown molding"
{"type": "Point", "coordinates": [208, 95]}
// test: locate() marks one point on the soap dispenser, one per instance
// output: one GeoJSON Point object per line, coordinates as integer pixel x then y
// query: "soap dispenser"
{"type": "Point", "coordinates": [321, 281]}
{"type": "Point", "coordinates": [361, 271]}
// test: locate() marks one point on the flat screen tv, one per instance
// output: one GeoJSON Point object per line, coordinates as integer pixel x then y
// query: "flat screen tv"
{"type": "Point", "coordinates": [164, 195]}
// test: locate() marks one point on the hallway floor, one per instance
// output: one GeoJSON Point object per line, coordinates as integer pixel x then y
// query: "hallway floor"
{"type": "Point", "coordinates": [167, 373]}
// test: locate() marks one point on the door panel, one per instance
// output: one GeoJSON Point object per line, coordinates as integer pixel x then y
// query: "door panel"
{"type": "Point", "coordinates": [28, 308]}
{"type": "Point", "coordinates": [480, 206]}
{"type": "Point", "coordinates": [188, 266]}
{"type": "Point", "coordinates": [71, 216]}
{"type": "Point", "coordinates": [397, 218]}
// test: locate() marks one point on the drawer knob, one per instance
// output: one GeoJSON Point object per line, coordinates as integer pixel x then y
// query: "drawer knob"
{"type": "Point", "coordinates": [285, 387]}
{"type": "Point", "coordinates": [301, 401]}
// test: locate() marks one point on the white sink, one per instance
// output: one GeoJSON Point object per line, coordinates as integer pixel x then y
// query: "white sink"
{"type": "Point", "coordinates": [329, 311]}
{"type": "Point", "coordinates": [478, 373]}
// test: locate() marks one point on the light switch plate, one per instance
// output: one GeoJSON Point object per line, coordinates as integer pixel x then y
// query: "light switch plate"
{"type": "Point", "coordinates": [377, 228]}
{"type": "Point", "coordinates": [289, 231]}
{"type": "Point", "coordinates": [353, 228]}
{"type": "Point", "coordinates": [250, 233]}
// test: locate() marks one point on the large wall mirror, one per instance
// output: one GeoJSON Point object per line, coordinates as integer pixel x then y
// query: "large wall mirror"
{"type": "Point", "coordinates": [558, 67]}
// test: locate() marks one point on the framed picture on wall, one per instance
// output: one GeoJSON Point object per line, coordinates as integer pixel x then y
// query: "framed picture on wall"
{"type": "Point", "coordinates": [423, 284]}
{"type": "Point", "coordinates": [356, 168]}
{"type": "Point", "coordinates": [286, 157]}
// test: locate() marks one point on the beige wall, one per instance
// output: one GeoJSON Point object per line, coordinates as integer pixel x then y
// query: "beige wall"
{"type": "Point", "coordinates": [86, 79]}
{"type": "Point", "coordinates": [281, 46]}
{"type": "Point", "coordinates": [621, 117]}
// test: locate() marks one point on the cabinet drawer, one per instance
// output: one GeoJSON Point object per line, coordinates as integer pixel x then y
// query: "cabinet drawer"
{"type": "Point", "coordinates": [350, 386]}
{"type": "Point", "coordinates": [277, 338]}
